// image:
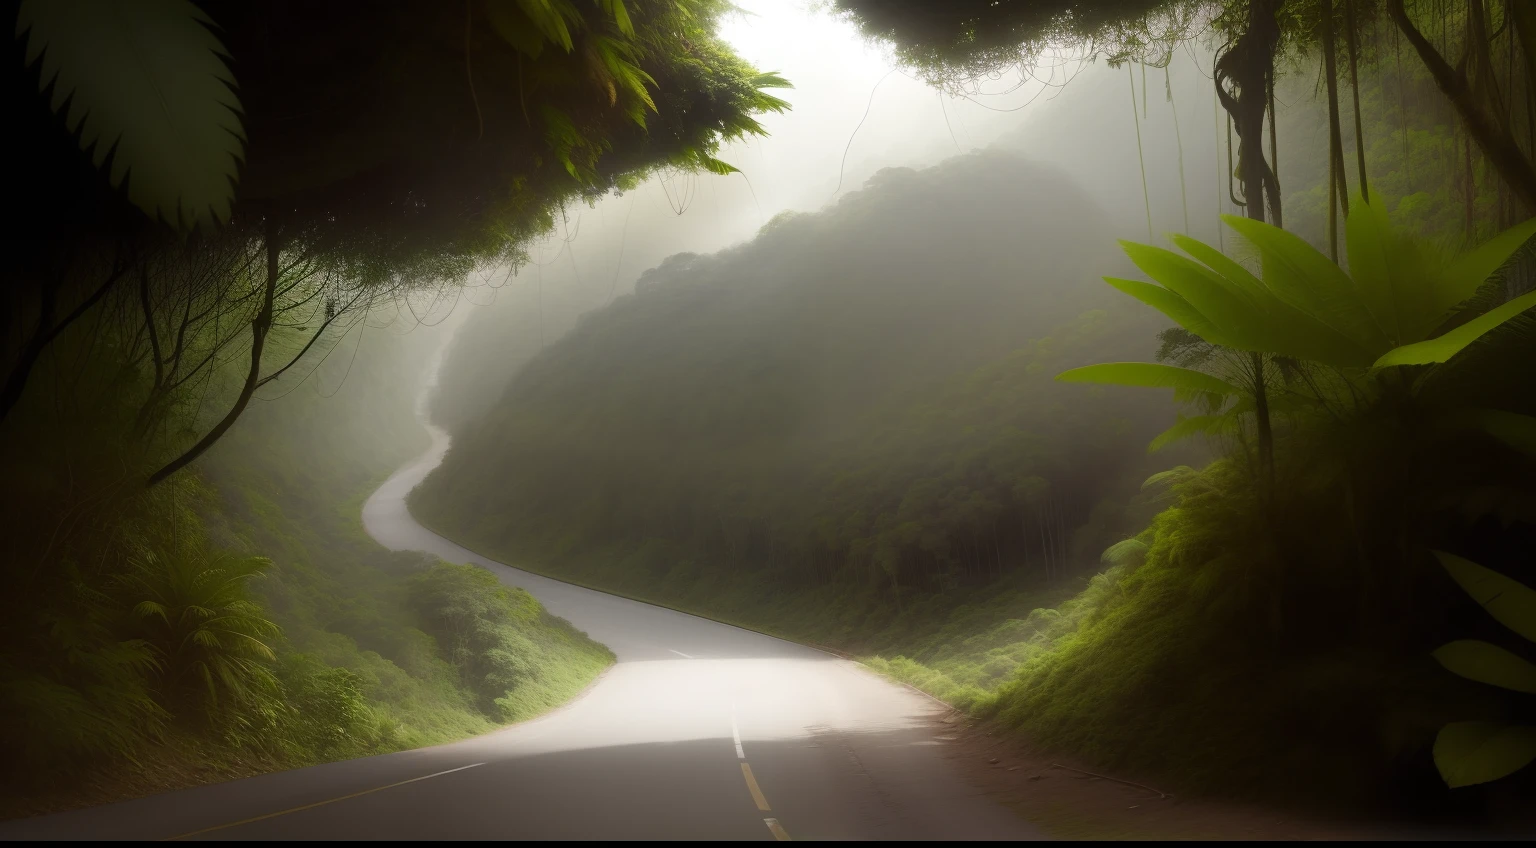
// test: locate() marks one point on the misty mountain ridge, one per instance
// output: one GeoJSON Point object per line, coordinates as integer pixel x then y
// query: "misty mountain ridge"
{"type": "Point", "coordinates": [872, 286]}
{"type": "Point", "coordinates": [853, 398]}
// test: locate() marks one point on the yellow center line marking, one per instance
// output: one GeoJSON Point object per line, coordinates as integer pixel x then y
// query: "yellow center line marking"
{"type": "Point", "coordinates": [334, 800]}
{"type": "Point", "coordinates": [757, 794]}
{"type": "Point", "coordinates": [778, 832]}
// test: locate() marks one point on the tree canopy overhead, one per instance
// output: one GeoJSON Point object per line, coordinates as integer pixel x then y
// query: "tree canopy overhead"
{"type": "Point", "coordinates": [355, 151]}
{"type": "Point", "coordinates": [417, 121]}
{"type": "Point", "coordinates": [441, 115]}
{"type": "Point", "coordinates": [955, 42]}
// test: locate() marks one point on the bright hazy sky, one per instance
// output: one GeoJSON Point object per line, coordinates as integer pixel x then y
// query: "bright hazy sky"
{"type": "Point", "coordinates": [796, 168]}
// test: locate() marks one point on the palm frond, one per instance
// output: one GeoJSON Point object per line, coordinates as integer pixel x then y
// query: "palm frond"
{"type": "Point", "coordinates": [146, 83]}
{"type": "Point", "coordinates": [1510, 602]}
{"type": "Point", "coordinates": [1444, 347]}
{"type": "Point", "coordinates": [1309, 281]}
{"type": "Point", "coordinates": [1149, 375]}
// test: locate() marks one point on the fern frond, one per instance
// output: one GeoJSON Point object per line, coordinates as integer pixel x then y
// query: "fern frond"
{"type": "Point", "coordinates": [146, 83]}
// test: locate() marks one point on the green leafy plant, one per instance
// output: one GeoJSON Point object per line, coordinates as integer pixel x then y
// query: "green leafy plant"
{"type": "Point", "coordinates": [567, 48]}
{"type": "Point", "coordinates": [1472, 752]}
{"type": "Point", "coordinates": [1389, 309]}
{"type": "Point", "coordinates": [146, 84]}
{"type": "Point", "coordinates": [196, 611]}
{"type": "Point", "coordinates": [1402, 303]}
{"type": "Point", "coordinates": [84, 693]}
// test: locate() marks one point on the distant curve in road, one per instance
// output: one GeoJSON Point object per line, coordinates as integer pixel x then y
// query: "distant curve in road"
{"type": "Point", "coordinates": [700, 731]}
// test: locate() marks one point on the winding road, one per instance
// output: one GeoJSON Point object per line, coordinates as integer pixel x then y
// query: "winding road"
{"type": "Point", "coordinates": [700, 731]}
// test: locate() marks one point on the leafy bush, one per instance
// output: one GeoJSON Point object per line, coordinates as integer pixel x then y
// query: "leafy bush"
{"type": "Point", "coordinates": [83, 692]}
{"type": "Point", "coordinates": [512, 654]}
{"type": "Point", "coordinates": [327, 714]}
{"type": "Point", "coordinates": [1471, 752]}
{"type": "Point", "coordinates": [194, 608]}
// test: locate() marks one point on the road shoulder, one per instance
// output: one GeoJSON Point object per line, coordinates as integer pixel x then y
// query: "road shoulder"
{"type": "Point", "coordinates": [1070, 801]}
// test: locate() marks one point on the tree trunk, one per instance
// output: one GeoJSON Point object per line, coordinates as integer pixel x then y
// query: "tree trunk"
{"type": "Point", "coordinates": [1248, 67]}
{"type": "Point", "coordinates": [45, 334]}
{"type": "Point", "coordinates": [1497, 145]}
{"type": "Point", "coordinates": [261, 325]}
{"type": "Point", "coordinates": [1354, 85]}
{"type": "Point", "coordinates": [1261, 413]}
{"type": "Point", "coordinates": [1338, 189]}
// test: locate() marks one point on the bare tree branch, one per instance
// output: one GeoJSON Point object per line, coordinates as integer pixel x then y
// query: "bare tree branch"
{"type": "Point", "coordinates": [47, 331]}
{"type": "Point", "coordinates": [1502, 150]}
{"type": "Point", "coordinates": [260, 326]}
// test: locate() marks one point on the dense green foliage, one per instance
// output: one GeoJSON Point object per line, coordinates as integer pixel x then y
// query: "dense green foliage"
{"type": "Point", "coordinates": [846, 428]}
{"type": "Point", "coordinates": [325, 647]}
{"type": "Point", "coordinates": [1473, 752]}
{"type": "Point", "coordinates": [1311, 584]}
{"type": "Point", "coordinates": [378, 154]}
{"type": "Point", "coordinates": [959, 42]}
{"type": "Point", "coordinates": [1269, 633]}
{"type": "Point", "coordinates": [291, 483]}
{"type": "Point", "coordinates": [390, 171]}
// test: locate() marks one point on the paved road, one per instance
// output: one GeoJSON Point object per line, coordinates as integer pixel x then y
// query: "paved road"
{"type": "Point", "coordinates": [700, 731]}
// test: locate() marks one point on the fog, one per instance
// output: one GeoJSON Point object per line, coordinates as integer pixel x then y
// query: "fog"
{"type": "Point", "coordinates": [854, 113]}
{"type": "Point", "coordinates": [375, 448]}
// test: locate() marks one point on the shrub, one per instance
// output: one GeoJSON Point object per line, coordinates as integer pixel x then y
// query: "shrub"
{"type": "Point", "coordinates": [193, 608]}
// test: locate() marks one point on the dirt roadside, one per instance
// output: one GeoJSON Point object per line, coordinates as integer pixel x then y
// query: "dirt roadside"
{"type": "Point", "coordinates": [1070, 801]}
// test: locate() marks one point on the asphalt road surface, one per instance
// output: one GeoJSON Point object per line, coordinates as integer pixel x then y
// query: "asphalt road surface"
{"type": "Point", "coordinates": [700, 731]}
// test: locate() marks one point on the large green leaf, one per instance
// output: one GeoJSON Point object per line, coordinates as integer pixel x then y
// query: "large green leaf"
{"type": "Point", "coordinates": [1467, 273]}
{"type": "Point", "coordinates": [762, 101]}
{"type": "Point", "coordinates": [1369, 245]}
{"type": "Point", "coordinates": [1415, 269]}
{"type": "Point", "coordinates": [1487, 663]}
{"type": "Point", "coordinates": [1311, 282]}
{"type": "Point", "coordinates": [1195, 425]}
{"type": "Point", "coordinates": [1288, 331]}
{"type": "Point", "coordinates": [1444, 347]}
{"type": "Point", "coordinates": [1472, 752]}
{"type": "Point", "coordinates": [615, 9]}
{"type": "Point", "coordinates": [1149, 375]}
{"type": "Point", "coordinates": [145, 82]}
{"type": "Point", "coordinates": [1225, 304]}
{"type": "Point", "coordinates": [1227, 267]}
{"type": "Point", "coordinates": [1171, 304]}
{"type": "Point", "coordinates": [716, 166]}
{"type": "Point", "coordinates": [1510, 602]}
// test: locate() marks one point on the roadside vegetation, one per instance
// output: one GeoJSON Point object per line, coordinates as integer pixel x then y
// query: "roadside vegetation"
{"type": "Point", "coordinates": [1261, 607]}
{"type": "Point", "coordinates": [912, 426]}
{"type": "Point", "coordinates": [265, 630]}
{"type": "Point", "coordinates": [807, 439]}
{"type": "Point", "coordinates": [190, 595]}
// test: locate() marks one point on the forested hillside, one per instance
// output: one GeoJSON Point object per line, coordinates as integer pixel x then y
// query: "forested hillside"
{"type": "Point", "coordinates": [189, 592]}
{"type": "Point", "coordinates": [855, 409]}
{"type": "Point", "coordinates": [1186, 437]}
{"type": "Point", "coordinates": [266, 630]}
{"type": "Point", "coordinates": [762, 435]}
{"type": "Point", "coordinates": [1325, 612]}
{"type": "Point", "coordinates": [289, 486]}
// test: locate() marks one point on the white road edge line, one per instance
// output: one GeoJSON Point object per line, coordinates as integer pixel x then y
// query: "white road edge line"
{"type": "Point", "coordinates": [683, 655]}
{"type": "Point", "coordinates": [736, 735]}
{"type": "Point", "coordinates": [318, 803]}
